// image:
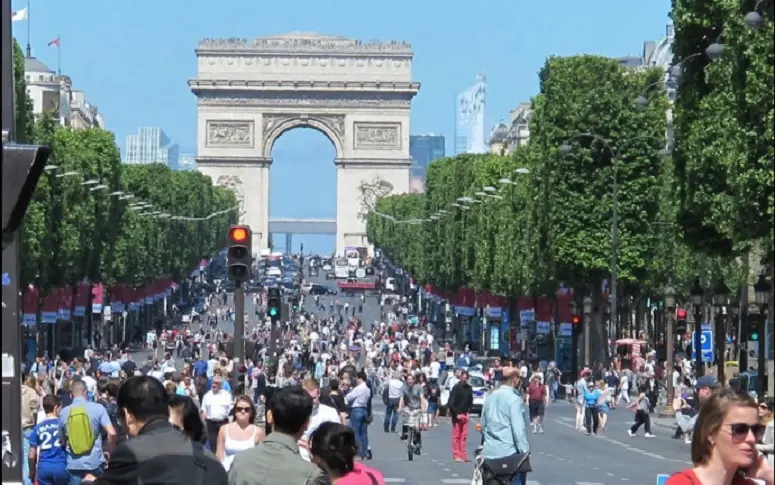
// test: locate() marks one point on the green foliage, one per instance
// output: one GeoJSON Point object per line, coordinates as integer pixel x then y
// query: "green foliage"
{"type": "Point", "coordinates": [75, 231]}
{"type": "Point", "coordinates": [724, 126]}
{"type": "Point", "coordinates": [24, 120]}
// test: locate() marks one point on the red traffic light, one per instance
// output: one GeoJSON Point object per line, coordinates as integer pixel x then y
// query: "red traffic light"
{"type": "Point", "coordinates": [575, 320]}
{"type": "Point", "coordinates": [238, 234]}
{"type": "Point", "coordinates": [680, 314]}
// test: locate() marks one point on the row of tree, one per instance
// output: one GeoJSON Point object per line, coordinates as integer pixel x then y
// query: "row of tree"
{"type": "Point", "coordinates": [74, 231]}
{"type": "Point", "coordinates": [549, 220]}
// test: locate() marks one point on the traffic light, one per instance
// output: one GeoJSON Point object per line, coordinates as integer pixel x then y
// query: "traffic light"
{"type": "Point", "coordinates": [239, 257]}
{"type": "Point", "coordinates": [22, 167]}
{"type": "Point", "coordinates": [575, 320]}
{"type": "Point", "coordinates": [274, 303]}
{"type": "Point", "coordinates": [753, 327]}
{"type": "Point", "coordinates": [680, 321]}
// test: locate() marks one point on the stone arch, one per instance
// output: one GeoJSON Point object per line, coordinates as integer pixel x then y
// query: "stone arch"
{"type": "Point", "coordinates": [275, 124]}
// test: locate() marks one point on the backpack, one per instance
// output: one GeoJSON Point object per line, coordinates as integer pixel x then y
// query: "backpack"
{"type": "Point", "coordinates": [80, 434]}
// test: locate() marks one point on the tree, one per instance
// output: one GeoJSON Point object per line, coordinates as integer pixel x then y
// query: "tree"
{"type": "Point", "coordinates": [590, 94]}
{"type": "Point", "coordinates": [24, 119]}
{"type": "Point", "coordinates": [724, 126]}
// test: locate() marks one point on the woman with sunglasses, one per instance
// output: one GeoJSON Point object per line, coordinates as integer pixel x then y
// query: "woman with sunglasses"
{"type": "Point", "coordinates": [240, 434]}
{"type": "Point", "coordinates": [766, 445]}
{"type": "Point", "coordinates": [724, 443]}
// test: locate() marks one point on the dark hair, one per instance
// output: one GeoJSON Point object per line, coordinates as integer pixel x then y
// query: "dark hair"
{"type": "Point", "coordinates": [50, 402]}
{"type": "Point", "coordinates": [244, 399]}
{"type": "Point", "coordinates": [192, 422]}
{"type": "Point", "coordinates": [111, 388]}
{"type": "Point", "coordinates": [335, 445]}
{"type": "Point", "coordinates": [333, 385]}
{"type": "Point", "coordinates": [291, 408]}
{"type": "Point", "coordinates": [361, 375]}
{"type": "Point", "coordinates": [144, 397]}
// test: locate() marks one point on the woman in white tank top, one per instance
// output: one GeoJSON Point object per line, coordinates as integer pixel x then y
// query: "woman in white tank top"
{"type": "Point", "coordinates": [240, 434]}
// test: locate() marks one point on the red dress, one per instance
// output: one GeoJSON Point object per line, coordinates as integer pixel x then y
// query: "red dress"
{"type": "Point", "coordinates": [688, 477]}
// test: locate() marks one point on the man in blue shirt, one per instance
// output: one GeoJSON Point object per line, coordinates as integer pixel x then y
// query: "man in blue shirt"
{"type": "Point", "coordinates": [46, 449]}
{"type": "Point", "coordinates": [94, 461]}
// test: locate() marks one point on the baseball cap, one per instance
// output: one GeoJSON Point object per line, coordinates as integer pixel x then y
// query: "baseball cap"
{"type": "Point", "coordinates": [707, 381]}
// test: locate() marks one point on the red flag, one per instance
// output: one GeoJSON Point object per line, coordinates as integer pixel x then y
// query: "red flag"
{"type": "Point", "coordinates": [55, 42]}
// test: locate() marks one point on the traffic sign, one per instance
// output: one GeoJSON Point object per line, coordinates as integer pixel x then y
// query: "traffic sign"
{"type": "Point", "coordinates": [706, 345]}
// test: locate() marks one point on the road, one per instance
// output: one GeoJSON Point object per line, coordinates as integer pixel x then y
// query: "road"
{"type": "Point", "coordinates": [561, 456]}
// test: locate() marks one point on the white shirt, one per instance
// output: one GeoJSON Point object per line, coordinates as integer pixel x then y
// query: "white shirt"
{"type": "Point", "coordinates": [523, 371]}
{"type": "Point", "coordinates": [216, 406]}
{"type": "Point", "coordinates": [321, 414]}
{"type": "Point", "coordinates": [434, 370]}
{"type": "Point", "coordinates": [91, 384]}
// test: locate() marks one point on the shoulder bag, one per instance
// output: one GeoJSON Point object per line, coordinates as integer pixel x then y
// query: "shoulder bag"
{"type": "Point", "coordinates": [501, 471]}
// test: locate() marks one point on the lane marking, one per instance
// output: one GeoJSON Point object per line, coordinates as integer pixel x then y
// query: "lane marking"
{"type": "Point", "coordinates": [394, 480]}
{"type": "Point", "coordinates": [464, 481]}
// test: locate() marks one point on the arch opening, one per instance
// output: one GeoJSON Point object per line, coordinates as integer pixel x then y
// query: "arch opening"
{"type": "Point", "coordinates": [302, 190]}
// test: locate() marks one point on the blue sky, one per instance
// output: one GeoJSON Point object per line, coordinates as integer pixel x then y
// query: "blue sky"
{"type": "Point", "coordinates": [133, 58]}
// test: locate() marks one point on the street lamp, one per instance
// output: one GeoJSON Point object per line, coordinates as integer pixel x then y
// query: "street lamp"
{"type": "Point", "coordinates": [670, 342]}
{"type": "Point", "coordinates": [753, 19]}
{"type": "Point", "coordinates": [720, 300]}
{"type": "Point", "coordinates": [697, 293]}
{"type": "Point", "coordinates": [587, 306]}
{"type": "Point", "coordinates": [565, 149]}
{"type": "Point", "coordinates": [762, 290]}
{"type": "Point", "coordinates": [506, 181]}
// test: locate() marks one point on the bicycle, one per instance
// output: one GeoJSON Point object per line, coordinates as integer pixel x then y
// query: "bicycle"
{"type": "Point", "coordinates": [411, 418]}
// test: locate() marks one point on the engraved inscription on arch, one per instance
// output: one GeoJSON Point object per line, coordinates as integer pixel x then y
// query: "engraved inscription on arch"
{"type": "Point", "coordinates": [377, 136]}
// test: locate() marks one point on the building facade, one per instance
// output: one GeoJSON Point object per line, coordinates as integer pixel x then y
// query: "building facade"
{"type": "Point", "coordinates": [656, 54]}
{"type": "Point", "coordinates": [469, 119]}
{"type": "Point", "coordinates": [151, 145]}
{"type": "Point", "coordinates": [187, 161]}
{"type": "Point", "coordinates": [53, 93]}
{"type": "Point", "coordinates": [424, 149]}
{"type": "Point", "coordinates": [508, 136]}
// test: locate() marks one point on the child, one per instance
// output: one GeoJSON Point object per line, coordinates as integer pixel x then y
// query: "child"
{"type": "Point", "coordinates": [46, 448]}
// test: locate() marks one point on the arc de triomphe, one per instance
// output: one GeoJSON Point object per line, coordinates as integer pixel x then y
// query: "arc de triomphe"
{"type": "Point", "coordinates": [356, 93]}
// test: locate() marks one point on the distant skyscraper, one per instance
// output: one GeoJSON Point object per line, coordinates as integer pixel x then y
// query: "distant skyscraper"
{"type": "Point", "coordinates": [424, 149]}
{"type": "Point", "coordinates": [469, 119]}
{"type": "Point", "coordinates": [151, 145]}
{"type": "Point", "coordinates": [187, 161]}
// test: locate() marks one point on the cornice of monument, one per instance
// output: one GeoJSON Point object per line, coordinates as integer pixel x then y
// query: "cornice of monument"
{"type": "Point", "coordinates": [224, 162]}
{"type": "Point", "coordinates": [197, 84]}
{"type": "Point", "coordinates": [301, 42]}
{"type": "Point", "coordinates": [373, 163]}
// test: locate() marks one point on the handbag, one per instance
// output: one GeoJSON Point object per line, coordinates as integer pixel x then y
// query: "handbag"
{"type": "Point", "coordinates": [501, 471]}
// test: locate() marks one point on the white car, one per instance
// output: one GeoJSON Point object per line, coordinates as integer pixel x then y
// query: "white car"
{"type": "Point", "coordinates": [306, 287]}
{"type": "Point", "coordinates": [478, 385]}
{"type": "Point", "coordinates": [327, 267]}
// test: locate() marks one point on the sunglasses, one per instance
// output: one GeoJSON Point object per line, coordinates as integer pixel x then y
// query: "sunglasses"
{"type": "Point", "coordinates": [741, 430]}
{"type": "Point", "coordinates": [241, 409]}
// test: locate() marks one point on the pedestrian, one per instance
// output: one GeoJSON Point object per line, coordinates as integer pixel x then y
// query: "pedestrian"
{"type": "Point", "coordinates": [505, 445]}
{"type": "Point", "coordinates": [461, 398]}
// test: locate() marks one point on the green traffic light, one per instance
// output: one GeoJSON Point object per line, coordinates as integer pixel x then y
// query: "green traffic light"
{"type": "Point", "coordinates": [754, 336]}
{"type": "Point", "coordinates": [272, 312]}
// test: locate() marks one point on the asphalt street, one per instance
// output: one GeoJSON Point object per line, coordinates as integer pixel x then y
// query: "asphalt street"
{"type": "Point", "coordinates": [560, 456]}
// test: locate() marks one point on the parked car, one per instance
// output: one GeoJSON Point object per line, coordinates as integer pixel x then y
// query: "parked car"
{"type": "Point", "coordinates": [478, 385]}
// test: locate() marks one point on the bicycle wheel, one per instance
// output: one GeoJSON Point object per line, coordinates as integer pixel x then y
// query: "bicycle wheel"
{"type": "Point", "coordinates": [410, 443]}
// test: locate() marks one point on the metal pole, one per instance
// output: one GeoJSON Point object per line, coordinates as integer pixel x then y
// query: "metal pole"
{"type": "Point", "coordinates": [239, 322]}
{"type": "Point", "coordinates": [721, 338]}
{"type": "Point", "coordinates": [670, 342]}
{"type": "Point", "coordinates": [697, 341]}
{"type": "Point", "coordinates": [11, 344]}
{"type": "Point", "coordinates": [587, 339]}
{"type": "Point", "coordinates": [614, 253]}
{"type": "Point", "coordinates": [761, 359]}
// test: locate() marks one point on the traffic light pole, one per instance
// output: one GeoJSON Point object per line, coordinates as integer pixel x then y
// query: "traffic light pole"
{"type": "Point", "coordinates": [239, 322]}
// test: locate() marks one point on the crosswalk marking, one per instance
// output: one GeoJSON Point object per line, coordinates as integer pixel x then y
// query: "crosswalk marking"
{"type": "Point", "coordinates": [450, 481]}
{"type": "Point", "coordinates": [394, 480]}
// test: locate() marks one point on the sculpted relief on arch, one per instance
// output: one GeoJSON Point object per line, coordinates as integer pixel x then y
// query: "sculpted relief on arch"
{"type": "Point", "coordinates": [275, 124]}
{"type": "Point", "coordinates": [234, 183]}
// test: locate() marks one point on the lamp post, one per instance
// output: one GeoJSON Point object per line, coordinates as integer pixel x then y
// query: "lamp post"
{"type": "Point", "coordinates": [697, 293]}
{"type": "Point", "coordinates": [762, 290]}
{"type": "Point", "coordinates": [587, 324]}
{"type": "Point", "coordinates": [670, 343]}
{"type": "Point", "coordinates": [565, 149]}
{"type": "Point", "coordinates": [720, 300]}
